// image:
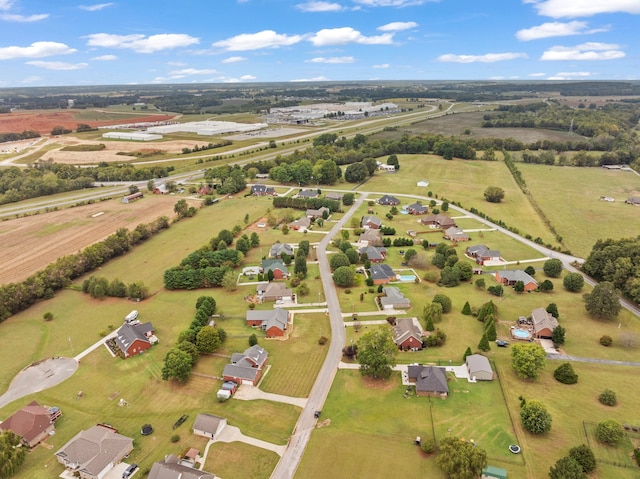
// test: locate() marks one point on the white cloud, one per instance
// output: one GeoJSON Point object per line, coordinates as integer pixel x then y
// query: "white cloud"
{"type": "Point", "coordinates": [57, 65]}
{"type": "Point", "coordinates": [255, 41]}
{"type": "Point", "coordinates": [105, 58]}
{"type": "Point", "coordinates": [397, 26]}
{"type": "Point", "coordinates": [243, 78]}
{"type": "Point", "coordinates": [539, 74]}
{"type": "Point", "coordinates": [486, 58]}
{"type": "Point", "coordinates": [319, 78]}
{"type": "Point", "coordinates": [556, 29]}
{"type": "Point", "coordinates": [382, 66]}
{"type": "Point", "coordinates": [140, 43]}
{"type": "Point", "coordinates": [569, 75]}
{"type": "Point", "coordinates": [36, 50]}
{"type": "Point", "coordinates": [10, 17]}
{"type": "Point", "coordinates": [332, 60]}
{"type": "Point", "coordinates": [96, 7]}
{"type": "Point", "coordinates": [192, 71]}
{"type": "Point", "coordinates": [234, 60]}
{"type": "Point", "coordinates": [31, 79]}
{"type": "Point", "coordinates": [320, 7]}
{"type": "Point", "coordinates": [391, 3]}
{"type": "Point", "coordinates": [584, 51]}
{"type": "Point", "coordinates": [344, 35]}
{"type": "Point", "coordinates": [176, 64]}
{"type": "Point", "coordinates": [584, 8]}
{"type": "Point", "coordinates": [5, 4]}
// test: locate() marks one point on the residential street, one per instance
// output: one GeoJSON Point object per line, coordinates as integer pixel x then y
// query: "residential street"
{"type": "Point", "coordinates": [287, 466]}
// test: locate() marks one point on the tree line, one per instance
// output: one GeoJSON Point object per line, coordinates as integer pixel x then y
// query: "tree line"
{"type": "Point", "coordinates": [16, 297]}
{"type": "Point", "coordinates": [25, 135]}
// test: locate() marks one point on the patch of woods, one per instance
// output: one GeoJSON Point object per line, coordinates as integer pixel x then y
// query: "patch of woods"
{"type": "Point", "coordinates": [305, 203]}
{"type": "Point", "coordinates": [16, 297]}
{"type": "Point", "coordinates": [201, 337]}
{"type": "Point", "coordinates": [208, 146]}
{"type": "Point", "coordinates": [100, 287]}
{"type": "Point", "coordinates": [25, 135]}
{"type": "Point", "coordinates": [213, 264]}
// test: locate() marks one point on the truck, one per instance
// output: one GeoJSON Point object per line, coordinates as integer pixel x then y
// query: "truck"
{"type": "Point", "coordinates": [131, 317]}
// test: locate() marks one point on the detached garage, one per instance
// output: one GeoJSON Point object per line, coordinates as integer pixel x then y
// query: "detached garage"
{"type": "Point", "coordinates": [208, 425]}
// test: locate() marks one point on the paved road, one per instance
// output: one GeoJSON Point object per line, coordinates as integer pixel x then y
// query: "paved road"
{"type": "Point", "coordinates": [287, 466]}
{"type": "Point", "coordinates": [38, 377]}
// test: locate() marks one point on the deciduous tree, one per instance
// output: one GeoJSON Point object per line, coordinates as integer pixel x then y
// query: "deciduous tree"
{"type": "Point", "coordinates": [494, 194]}
{"type": "Point", "coordinates": [535, 417]}
{"type": "Point", "coordinates": [552, 268]}
{"type": "Point", "coordinates": [566, 468]}
{"type": "Point", "coordinates": [603, 302]}
{"type": "Point", "coordinates": [377, 353]}
{"type": "Point", "coordinates": [177, 365]}
{"type": "Point", "coordinates": [573, 282]}
{"type": "Point", "coordinates": [460, 459]}
{"type": "Point", "coordinates": [528, 360]}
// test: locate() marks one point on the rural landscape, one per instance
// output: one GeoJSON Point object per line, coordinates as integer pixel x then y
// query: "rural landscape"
{"type": "Point", "coordinates": [334, 279]}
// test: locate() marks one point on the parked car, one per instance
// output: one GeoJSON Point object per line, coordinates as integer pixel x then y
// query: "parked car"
{"type": "Point", "coordinates": [502, 343]}
{"type": "Point", "coordinates": [316, 414]}
{"type": "Point", "coordinates": [132, 316]}
{"type": "Point", "coordinates": [129, 470]}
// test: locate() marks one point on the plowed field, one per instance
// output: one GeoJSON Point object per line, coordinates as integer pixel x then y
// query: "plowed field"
{"type": "Point", "coordinates": [29, 244]}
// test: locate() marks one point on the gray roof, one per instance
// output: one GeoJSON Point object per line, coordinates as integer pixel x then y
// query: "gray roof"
{"type": "Point", "coordinates": [303, 222]}
{"type": "Point", "coordinates": [515, 275]}
{"type": "Point", "coordinates": [308, 194]}
{"type": "Point", "coordinates": [276, 289]}
{"type": "Point", "coordinates": [418, 207]}
{"type": "Point", "coordinates": [318, 213]}
{"type": "Point", "coordinates": [389, 200]}
{"type": "Point", "coordinates": [478, 362]}
{"type": "Point", "coordinates": [394, 297]}
{"type": "Point", "coordinates": [381, 271]}
{"type": "Point", "coordinates": [208, 423]}
{"type": "Point", "coordinates": [246, 365]}
{"type": "Point", "coordinates": [127, 334]}
{"type": "Point", "coordinates": [277, 317]}
{"type": "Point", "coordinates": [439, 219]}
{"type": "Point", "coordinates": [257, 188]}
{"type": "Point", "coordinates": [170, 469]}
{"type": "Point", "coordinates": [334, 196]}
{"type": "Point", "coordinates": [482, 251]}
{"type": "Point", "coordinates": [542, 320]}
{"type": "Point", "coordinates": [405, 328]}
{"type": "Point", "coordinates": [371, 219]}
{"type": "Point", "coordinates": [455, 233]}
{"type": "Point", "coordinates": [371, 236]}
{"type": "Point", "coordinates": [278, 248]}
{"type": "Point", "coordinates": [92, 450]}
{"type": "Point", "coordinates": [432, 379]}
{"type": "Point", "coordinates": [235, 371]}
{"type": "Point", "coordinates": [374, 252]}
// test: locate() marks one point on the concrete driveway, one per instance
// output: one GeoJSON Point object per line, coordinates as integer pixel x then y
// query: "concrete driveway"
{"type": "Point", "coordinates": [38, 377]}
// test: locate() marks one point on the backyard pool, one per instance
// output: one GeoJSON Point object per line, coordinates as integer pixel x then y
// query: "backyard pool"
{"type": "Point", "coordinates": [521, 333]}
{"type": "Point", "coordinates": [407, 277]}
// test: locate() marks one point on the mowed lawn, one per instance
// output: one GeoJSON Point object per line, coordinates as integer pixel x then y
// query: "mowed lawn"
{"type": "Point", "coordinates": [570, 197]}
{"type": "Point", "coordinates": [465, 182]}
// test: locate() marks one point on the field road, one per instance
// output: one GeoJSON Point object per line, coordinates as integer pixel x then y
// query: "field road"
{"type": "Point", "coordinates": [292, 456]}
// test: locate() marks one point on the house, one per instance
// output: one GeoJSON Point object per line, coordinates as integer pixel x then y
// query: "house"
{"type": "Point", "coordinates": [334, 196]}
{"type": "Point", "coordinates": [407, 334]}
{"type": "Point", "coordinates": [133, 339]}
{"type": "Point", "coordinates": [388, 200]}
{"type": "Point", "coordinates": [170, 468]}
{"type": "Point", "coordinates": [262, 190]}
{"type": "Point", "coordinates": [319, 213]}
{"type": "Point", "coordinates": [479, 367]}
{"type": "Point", "coordinates": [280, 271]}
{"type": "Point", "coordinates": [382, 273]}
{"type": "Point", "coordinates": [208, 425]}
{"type": "Point", "coordinates": [509, 277]}
{"type": "Point", "coordinates": [633, 201]}
{"type": "Point", "coordinates": [394, 299]}
{"type": "Point", "coordinates": [375, 254]}
{"type": "Point", "coordinates": [92, 453]}
{"type": "Point", "coordinates": [205, 190]}
{"type": "Point", "coordinates": [33, 423]}
{"type": "Point", "coordinates": [160, 189]}
{"type": "Point", "coordinates": [417, 208]}
{"type": "Point", "coordinates": [278, 249]}
{"type": "Point", "coordinates": [301, 224]}
{"type": "Point", "coordinates": [429, 380]}
{"type": "Point", "coordinates": [543, 323]}
{"type": "Point", "coordinates": [371, 237]}
{"type": "Point", "coordinates": [481, 254]}
{"type": "Point", "coordinates": [273, 322]}
{"type": "Point", "coordinates": [274, 292]}
{"type": "Point", "coordinates": [308, 194]}
{"type": "Point", "coordinates": [371, 222]}
{"type": "Point", "coordinates": [246, 367]}
{"type": "Point", "coordinates": [438, 221]}
{"type": "Point", "coordinates": [132, 197]}
{"type": "Point", "coordinates": [456, 234]}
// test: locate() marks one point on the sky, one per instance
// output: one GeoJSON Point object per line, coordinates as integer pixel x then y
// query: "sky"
{"type": "Point", "coordinates": [65, 43]}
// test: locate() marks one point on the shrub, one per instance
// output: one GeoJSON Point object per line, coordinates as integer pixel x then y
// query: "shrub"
{"type": "Point", "coordinates": [253, 340]}
{"type": "Point", "coordinates": [444, 300]}
{"type": "Point", "coordinates": [608, 398]}
{"type": "Point", "coordinates": [322, 340]}
{"type": "Point", "coordinates": [606, 340]}
{"type": "Point", "coordinates": [48, 316]}
{"type": "Point", "coordinates": [565, 374]}
{"type": "Point", "coordinates": [535, 417]}
{"type": "Point", "coordinates": [175, 438]}
{"type": "Point", "coordinates": [584, 456]}
{"type": "Point", "coordinates": [427, 446]}
{"type": "Point", "coordinates": [609, 432]}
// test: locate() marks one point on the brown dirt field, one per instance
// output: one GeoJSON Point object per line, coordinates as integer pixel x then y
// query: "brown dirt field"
{"type": "Point", "coordinates": [44, 121]}
{"type": "Point", "coordinates": [30, 244]}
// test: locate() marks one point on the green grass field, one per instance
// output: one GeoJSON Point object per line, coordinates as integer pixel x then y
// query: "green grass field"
{"type": "Point", "coordinates": [570, 197]}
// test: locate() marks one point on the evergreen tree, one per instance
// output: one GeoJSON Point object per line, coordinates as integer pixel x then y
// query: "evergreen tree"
{"type": "Point", "coordinates": [466, 309]}
{"type": "Point", "coordinates": [468, 352]}
{"type": "Point", "coordinates": [430, 326]}
{"type": "Point", "coordinates": [490, 331]}
{"type": "Point", "coordinates": [483, 345]}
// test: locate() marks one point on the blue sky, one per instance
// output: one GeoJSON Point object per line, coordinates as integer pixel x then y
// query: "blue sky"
{"type": "Point", "coordinates": [62, 42]}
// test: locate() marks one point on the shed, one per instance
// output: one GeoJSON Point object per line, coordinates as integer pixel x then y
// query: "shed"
{"type": "Point", "coordinates": [223, 394]}
{"type": "Point", "coordinates": [492, 471]}
{"type": "Point", "coordinates": [209, 425]}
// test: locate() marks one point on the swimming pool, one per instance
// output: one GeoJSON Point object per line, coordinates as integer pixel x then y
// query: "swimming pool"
{"type": "Point", "coordinates": [404, 212]}
{"type": "Point", "coordinates": [521, 333]}
{"type": "Point", "coordinates": [406, 277]}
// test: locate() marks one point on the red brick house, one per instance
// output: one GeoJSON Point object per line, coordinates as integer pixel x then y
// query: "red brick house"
{"type": "Point", "coordinates": [280, 271]}
{"type": "Point", "coordinates": [33, 423]}
{"type": "Point", "coordinates": [543, 323]}
{"type": "Point", "coordinates": [509, 277]}
{"type": "Point", "coordinates": [134, 339]}
{"type": "Point", "coordinates": [407, 334]}
{"type": "Point", "coordinates": [273, 322]}
{"type": "Point", "coordinates": [246, 367]}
